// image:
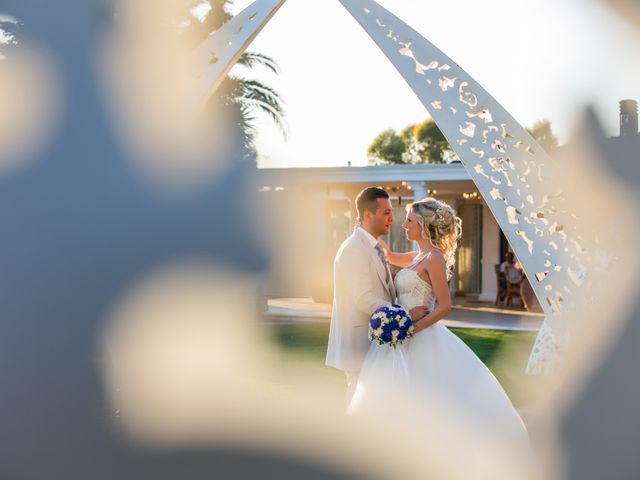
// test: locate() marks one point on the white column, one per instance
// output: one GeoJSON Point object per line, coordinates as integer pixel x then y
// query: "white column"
{"type": "Point", "coordinates": [490, 255]}
{"type": "Point", "coordinates": [419, 188]}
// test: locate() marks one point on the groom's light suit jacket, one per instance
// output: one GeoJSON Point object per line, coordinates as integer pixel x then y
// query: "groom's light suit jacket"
{"type": "Point", "coordinates": [360, 287]}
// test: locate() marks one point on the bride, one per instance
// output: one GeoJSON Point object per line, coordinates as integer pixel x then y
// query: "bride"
{"type": "Point", "coordinates": [435, 361]}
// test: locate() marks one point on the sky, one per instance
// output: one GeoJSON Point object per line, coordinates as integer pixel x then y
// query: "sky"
{"type": "Point", "coordinates": [539, 59]}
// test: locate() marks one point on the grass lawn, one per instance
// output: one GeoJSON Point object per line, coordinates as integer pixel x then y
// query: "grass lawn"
{"type": "Point", "coordinates": [504, 352]}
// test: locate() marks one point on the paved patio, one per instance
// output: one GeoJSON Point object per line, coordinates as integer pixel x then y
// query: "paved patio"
{"type": "Point", "coordinates": [465, 313]}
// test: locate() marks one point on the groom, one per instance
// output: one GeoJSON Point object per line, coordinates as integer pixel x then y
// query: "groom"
{"type": "Point", "coordinates": [362, 283]}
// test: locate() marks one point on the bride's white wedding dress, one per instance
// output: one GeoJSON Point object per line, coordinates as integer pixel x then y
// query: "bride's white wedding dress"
{"type": "Point", "coordinates": [436, 362]}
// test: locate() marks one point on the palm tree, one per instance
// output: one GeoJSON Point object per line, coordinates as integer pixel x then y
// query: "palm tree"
{"type": "Point", "coordinates": [246, 96]}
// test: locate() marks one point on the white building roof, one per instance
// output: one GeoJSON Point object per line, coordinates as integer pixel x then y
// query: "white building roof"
{"type": "Point", "coordinates": [368, 174]}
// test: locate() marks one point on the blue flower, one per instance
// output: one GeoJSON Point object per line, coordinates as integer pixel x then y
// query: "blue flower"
{"type": "Point", "coordinates": [394, 325]}
{"type": "Point", "coordinates": [402, 334]}
{"type": "Point", "coordinates": [386, 336]}
{"type": "Point", "coordinates": [375, 323]}
{"type": "Point", "coordinates": [387, 328]}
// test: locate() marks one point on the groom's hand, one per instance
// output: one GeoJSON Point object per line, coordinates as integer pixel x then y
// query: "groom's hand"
{"type": "Point", "coordinates": [416, 313]}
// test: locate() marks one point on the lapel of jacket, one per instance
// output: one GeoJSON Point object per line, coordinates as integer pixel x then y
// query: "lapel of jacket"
{"type": "Point", "coordinates": [380, 269]}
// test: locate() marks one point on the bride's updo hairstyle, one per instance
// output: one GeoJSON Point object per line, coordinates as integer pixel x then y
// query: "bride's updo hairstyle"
{"type": "Point", "coordinates": [440, 226]}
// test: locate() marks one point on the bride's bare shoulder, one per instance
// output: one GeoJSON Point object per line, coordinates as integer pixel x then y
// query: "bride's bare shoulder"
{"type": "Point", "coordinates": [436, 254]}
{"type": "Point", "coordinates": [434, 258]}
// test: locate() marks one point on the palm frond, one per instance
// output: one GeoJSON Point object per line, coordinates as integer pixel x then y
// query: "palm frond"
{"type": "Point", "coordinates": [264, 98]}
{"type": "Point", "coordinates": [247, 124]}
{"type": "Point", "coordinates": [271, 112]}
{"type": "Point", "coordinates": [252, 59]}
{"type": "Point", "coordinates": [257, 89]}
{"type": "Point", "coordinates": [246, 97]}
{"type": "Point", "coordinates": [217, 16]}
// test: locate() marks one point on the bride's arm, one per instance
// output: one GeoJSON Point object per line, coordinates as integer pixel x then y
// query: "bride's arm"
{"type": "Point", "coordinates": [436, 267]}
{"type": "Point", "coordinates": [398, 259]}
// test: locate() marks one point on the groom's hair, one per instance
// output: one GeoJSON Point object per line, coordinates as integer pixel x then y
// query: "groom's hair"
{"type": "Point", "coordinates": [367, 199]}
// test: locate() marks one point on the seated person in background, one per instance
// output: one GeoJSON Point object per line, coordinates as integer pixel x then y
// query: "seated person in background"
{"type": "Point", "coordinates": [508, 262]}
{"type": "Point", "coordinates": [503, 269]}
{"type": "Point", "coordinates": [513, 274]}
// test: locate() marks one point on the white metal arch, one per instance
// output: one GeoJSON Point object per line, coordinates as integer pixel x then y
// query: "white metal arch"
{"type": "Point", "coordinates": [512, 172]}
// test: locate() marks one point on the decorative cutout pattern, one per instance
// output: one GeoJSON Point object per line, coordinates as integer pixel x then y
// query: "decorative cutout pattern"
{"type": "Point", "coordinates": [215, 56]}
{"type": "Point", "coordinates": [512, 172]}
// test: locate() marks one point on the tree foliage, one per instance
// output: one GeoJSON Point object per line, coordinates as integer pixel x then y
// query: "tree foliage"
{"type": "Point", "coordinates": [433, 147]}
{"type": "Point", "coordinates": [425, 143]}
{"type": "Point", "coordinates": [422, 143]}
{"type": "Point", "coordinates": [388, 147]}
{"type": "Point", "coordinates": [244, 96]}
{"type": "Point", "coordinates": [541, 131]}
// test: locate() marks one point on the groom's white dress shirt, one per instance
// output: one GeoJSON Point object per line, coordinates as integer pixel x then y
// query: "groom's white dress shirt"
{"type": "Point", "coordinates": [362, 283]}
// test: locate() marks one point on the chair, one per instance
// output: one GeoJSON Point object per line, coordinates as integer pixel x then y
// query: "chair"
{"type": "Point", "coordinates": [530, 301]}
{"type": "Point", "coordinates": [501, 281]}
{"type": "Point", "coordinates": [514, 278]}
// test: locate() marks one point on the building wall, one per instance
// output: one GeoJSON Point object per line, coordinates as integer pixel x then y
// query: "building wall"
{"type": "Point", "coordinates": [298, 235]}
{"type": "Point", "coordinates": [304, 236]}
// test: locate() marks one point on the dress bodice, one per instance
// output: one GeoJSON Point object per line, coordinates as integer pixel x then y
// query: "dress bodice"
{"type": "Point", "coordinates": [413, 291]}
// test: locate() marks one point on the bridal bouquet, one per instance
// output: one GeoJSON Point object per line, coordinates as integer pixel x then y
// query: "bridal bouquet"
{"type": "Point", "coordinates": [391, 325]}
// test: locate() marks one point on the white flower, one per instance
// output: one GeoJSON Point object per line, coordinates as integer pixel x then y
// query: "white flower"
{"type": "Point", "coordinates": [402, 322]}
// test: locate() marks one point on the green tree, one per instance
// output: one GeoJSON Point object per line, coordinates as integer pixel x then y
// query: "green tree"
{"type": "Point", "coordinates": [422, 143]}
{"type": "Point", "coordinates": [412, 152]}
{"type": "Point", "coordinates": [432, 145]}
{"type": "Point", "coordinates": [541, 131]}
{"type": "Point", "coordinates": [244, 95]}
{"type": "Point", "coordinates": [425, 143]}
{"type": "Point", "coordinates": [387, 148]}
